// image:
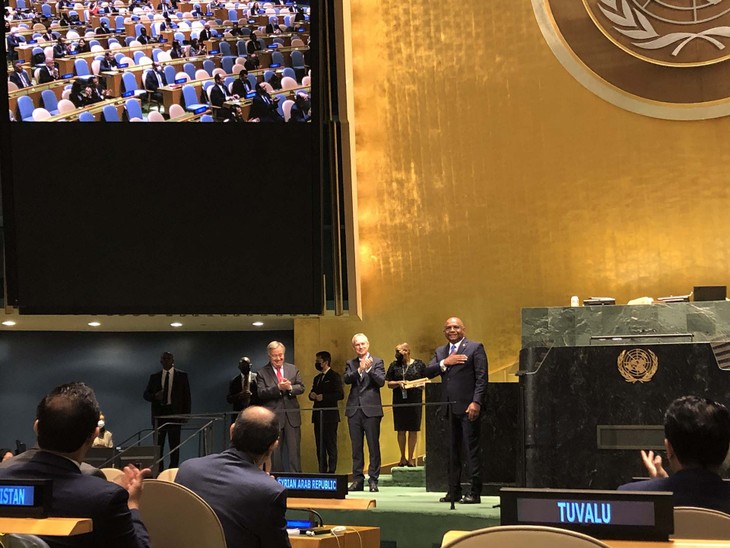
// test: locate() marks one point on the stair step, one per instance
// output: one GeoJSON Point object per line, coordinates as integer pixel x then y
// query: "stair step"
{"type": "Point", "coordinates": [405, 477]}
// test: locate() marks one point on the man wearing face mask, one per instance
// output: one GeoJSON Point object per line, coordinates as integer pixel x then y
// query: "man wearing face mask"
{"type": "Point", "coordinates": [326, 392]}
{"type": "Point", "coordinates": [301, 109]}
{"type": "Point", "coordinates": [242, 389]}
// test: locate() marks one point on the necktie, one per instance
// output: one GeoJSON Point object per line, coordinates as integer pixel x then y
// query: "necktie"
{"type": "Point", "coordinates": [166, 389]}
{"type": "Point", "coordinates": [278, 374]}
{"type": "Point", "coordinates": [453, 349]}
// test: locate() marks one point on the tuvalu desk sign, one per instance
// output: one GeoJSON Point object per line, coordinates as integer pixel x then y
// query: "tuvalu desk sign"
{"type": "Point", "coordinates": [25, 498]}
{"type": "Point", "coordinates": [623, 515]}
{"type": "Point", "coordinates": [319, 486]}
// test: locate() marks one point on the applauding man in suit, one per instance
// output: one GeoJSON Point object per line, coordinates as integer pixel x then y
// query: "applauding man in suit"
{"type": "Point", "coordinates": [326, 392]}
{"type": "Point", "coordinates": [278, 385]}
{"type": "Point", "coordinates": [169, 392]}
{"type": "Point", "coordinates": [366, 375]}
{"type": "Point", "coordinates": [462, 365]}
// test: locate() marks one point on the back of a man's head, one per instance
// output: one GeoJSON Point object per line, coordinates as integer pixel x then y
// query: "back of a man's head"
{"type": "Point", "coordinates": [67, 417]}
{"type": "Point", "coordinates": [699, 431]}
{"type": "Point", "coordinates": [255, 429]}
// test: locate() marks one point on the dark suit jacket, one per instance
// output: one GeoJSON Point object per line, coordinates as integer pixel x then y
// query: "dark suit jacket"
{"type": "Point", "coordinates": [284, 404]}
{"type": "Point", "coordinates": [264, 108]}
{"type": "Point", "coordinates": [107, 66]}
{"type": "Point", "coordinates": [691, 487]}
{"type": "Point", "coordinates": [25, 456]}
{"type": "Point", "coordinates": [79, 495]}
{"type": "Point", "coordinates": [250, 504]}
{"type": "Point", "coordinates": [203, 36]}
{"type": "Point", "coordinates": [151, 83]}
{"type": "Point", "coordinates": [180, 397]}
{"type": "Point", "coordinates": [365, 391]}
{"type": "Point", "coordinates": [240, 87]}
{"type": "Point", "coordinates": [330, 386]}
{"type": "Point", "coordinates": [14, 77]}
{"type": "Point", "coordinates": [464, 383]}
{"type": "Point", "coordinates": [236, 398]}
{"type": "Point", "coordinates": [217, 95]}
{"type": "Point", "coordinates": [44, 75]}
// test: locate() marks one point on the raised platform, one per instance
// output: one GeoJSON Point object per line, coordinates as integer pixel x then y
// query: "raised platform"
{"type": "Point", "coordinates": [410, 517]}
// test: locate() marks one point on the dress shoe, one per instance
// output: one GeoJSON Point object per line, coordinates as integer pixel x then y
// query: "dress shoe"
{"type": "Point", "coordinates": [471, 499]}
{"type": "Point", "coordinates": [374, 487]}
{"type": "Point", "coordinates": [447, 498]}
{"type": "Point", "coordinates": [356, 486]}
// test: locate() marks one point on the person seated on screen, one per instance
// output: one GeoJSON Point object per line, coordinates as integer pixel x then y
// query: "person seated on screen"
{"type": "Point", "coordinates": [98, 91]}
{"type": "Point", "coordinates": [264, 107]}
{"type": "Point", "coordinates": [275, 80]}
{"type": "Point", "coordinates": [255, 9]}
{"type": "Point", "coordinates": [176, 51]}
{"type": "Point", "coordinates": [81, 93]}
{"type": "Point", "coordinates": [235, 30]}
{"type": "Point", "coordinates": [65, 425]}
{"type": "Point", "coordinates": [154, 80]}
{"type": "Point", "coordinates": [143, 38]}
{"type": "Point", "coordinates": [103, 437]}
{"type": "Point", "coordinates": [103, 28]}
{"type": "Point", "coordinates": [241, 86]}
{"type": "Point", "coordinates": [167, 24]}
{"type": "Point", "coordinates": [218, 96]}
{"type": "Point", "coordinates": [82, 46]}
{"type": "Point", "coordinates": [108, 62]}
{"type": "Point", "coordinates": [252, 62]}
{"type": "Point", "coordinates": [19, 76]}
{"type": "Point", "coordinates": [48, 72]}
{"type": "Point", "coordinates": [205, 34]}
{"type": "Point", "coordinates": [253, 45]}
{"type": "Point", "coordinates": [196, 48]}
{"type": "Point", "coordinates": [61, 49]}
{"type": "Point", "coordinates": [696, 438]}
{"type": "Point", "coordinates": [301, 110]}
{"type": "Point", "coordinates": [47, 35]}
{"type": "Point", "coordinates": [64, 21]}
{"type": "Point", "coordinates": [13, 42]}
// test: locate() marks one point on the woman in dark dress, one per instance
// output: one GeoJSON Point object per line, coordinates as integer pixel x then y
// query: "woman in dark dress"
{"type": "Point", "coordinates": [406, 419]}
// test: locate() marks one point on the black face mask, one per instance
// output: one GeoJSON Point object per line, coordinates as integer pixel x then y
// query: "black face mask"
{"type": "Point", "coordinates": [398, 357]}
{"type": "Point", "coordinates": [318, 366]}
{"type": "Point", "coordinates": [244, 367]}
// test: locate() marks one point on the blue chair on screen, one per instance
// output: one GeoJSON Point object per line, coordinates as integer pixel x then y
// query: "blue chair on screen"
{"type": "Point", "coordinates": [245, 31]}
{"type": "Point", "coordinates": [82, 67]}
{"type": "Point", "coordinates": [279, 41]}
{"type": "Point", "coordinates": [225, 48]}
{"type": "Point", "coordinates": [46, 10]}
{"type": "Point", "coordinates": [206, 118]}
{"type": "Point", "coordinates": [227, 63]}
{"type": "Point", "coordinates": [267, 75]}
{"type": "Point", "coordinates": [119, 21]}
{"type": "Point", "coordinates": [25, 108]}
{"type": "Point", "coordinates": [206, 86]}
{"type": "Point", "coordinates": [179, 37]}
{"type": "Point", "coordinates": [241, 48]}
{"type": "Point", "coordinates": [110, 114]}
{"type": "Point", "coordinates": [190, 98]}
{"type": "Point", "coordinates": [21, 5]}
{"type": "Point", "coordinates": [137, 56]}
{"type": "Point", "coordinates": [118, 57]}
{"type": "Point", "coordinates": [134, 109]}
{"type": "Point", "coordinates": [128, 40]}
{"type": "Point", "coordinates": [194, 34]}
{"type": "Point", "coordinates": [86, 117]}
{"type": "Point", "coordinates": [280, 106]}
{"type": "Point", "coordinates": [277, 58]}
{"type": "Point", "coordinates": [138, 29]}
{"type": "Point", "coordinates": [227, 81]}
{"type": "Point", "coordinates": [288, 71]}
{"type": "Point", "coordinates": [93, 43]}
{"type": "Point", "coordinates": [155, 53]}
{"type": "Point", "coordinates": [208, 66]}
{"type": "Point", "coordinates": [253, 80]}
{"type": "Point", "coordinates": [169, 71]}
{"type": "Point", "coordinates": [233, 15]}
{"type": "Point", "coordinates": [113, 41]}
{"type": "Point", "coordinates": [189, 69]}
{"type": "Point", "coordinates": [297, 63]}
{"type": "Point", "coordinates": [50, 101]}
{"type": "Point", "coordinates": [130, 84]}
{"type": "Point", "coordinates": [105, 19]}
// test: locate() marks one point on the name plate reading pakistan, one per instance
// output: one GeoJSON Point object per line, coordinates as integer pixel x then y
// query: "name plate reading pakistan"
{"type": "Point", "coordinates": [25, 498]}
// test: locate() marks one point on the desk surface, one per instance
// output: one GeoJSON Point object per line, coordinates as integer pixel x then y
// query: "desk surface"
{"type": "Point", "coordinates": [330, 504]}
{"type": "Point", "coordinates": [62, 527]}
{"type": "Point", "coordinates": [370, 537]}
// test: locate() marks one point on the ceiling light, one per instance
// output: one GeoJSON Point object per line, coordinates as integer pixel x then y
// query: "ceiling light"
{"type": "Point", "coordinates": [9, 323]}
{"type": "Point", "coordinates": [175, 324]}
{"type": "Point", "coordinates": [257, 324]}
{"type": "Point", "coordinates": [93, 324]}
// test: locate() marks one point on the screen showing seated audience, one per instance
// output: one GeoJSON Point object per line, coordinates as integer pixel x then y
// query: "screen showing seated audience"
{"type": "Point", "coordinates": [163, 156]}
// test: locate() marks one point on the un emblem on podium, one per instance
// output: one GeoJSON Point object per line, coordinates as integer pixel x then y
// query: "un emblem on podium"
{"type": "Point", "coordinates": [637, 365]}
{"type": "Point", "coordinates": [661, 58]}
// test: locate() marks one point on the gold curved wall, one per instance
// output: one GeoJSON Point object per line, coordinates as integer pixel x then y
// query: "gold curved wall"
{"type": "Point", "coordinates": [490, 180]}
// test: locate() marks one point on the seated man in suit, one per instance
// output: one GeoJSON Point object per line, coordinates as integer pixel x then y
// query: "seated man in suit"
{"type": "Point", "coordinates": [66, 425]}
{"type": "Point", "coordinates": [301, 110]}
{"type": "Point", "coordinates": [250, 504]}
{"type": "Point", "coordinates": [242, 85]}
{"type": "Point", "coordinates": [48, 72]}
{"type": "Point", "coordinates": [696, 437]}
{"type": "Point", "coordinates": [19, 77]}
{"type": "Point", "coordinates": [108, 63]}
{"type": "Point", "coordinates": [103, 28]}
{"type": "Point", "coordinates": [218, 96]}
{"type": "Point", "coordinates": [154, 80]}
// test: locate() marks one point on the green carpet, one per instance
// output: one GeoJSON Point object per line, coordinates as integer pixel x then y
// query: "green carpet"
{"type": "Point", "coordinates": [409, 517]}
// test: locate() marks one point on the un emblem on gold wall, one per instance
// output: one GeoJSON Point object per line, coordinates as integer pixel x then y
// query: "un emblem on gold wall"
{"type": "Point", "coordinates": [661, 58]}
{"type": "Point", "coordinates": [637, 365]}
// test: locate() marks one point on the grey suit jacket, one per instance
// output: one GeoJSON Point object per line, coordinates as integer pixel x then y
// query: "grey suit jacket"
{"type": "Point", "coordinates": [284, 404]}
{"type": "Point", "coordinates": [365, 390]}
{"type": "Point", "coordinates": [250, 504]}
{"type": "Point", "coordinates": [463, 383]}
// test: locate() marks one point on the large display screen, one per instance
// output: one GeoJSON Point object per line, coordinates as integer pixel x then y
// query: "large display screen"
{"type": "Point", "coordinates": [216, 209]}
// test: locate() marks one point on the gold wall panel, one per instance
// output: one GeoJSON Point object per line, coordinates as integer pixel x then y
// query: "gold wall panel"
{"type": "Point", "coordinates": [490, 180]}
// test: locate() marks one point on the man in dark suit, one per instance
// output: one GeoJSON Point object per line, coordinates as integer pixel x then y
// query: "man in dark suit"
{"type": "Point", "coordinates": [277, 385]}
{"type": "Point", "coordinates": [696, 437]}
{"type": "Point", "coordinates": [154, 80]}
{"type": "Point", "coordinates": [250, 504]}
{"type": "Point", "coordinates": [242, 85]}
{"type": "Point", "coordinates": [108, 63]}
{"type": "Point", "coordinates": [66, 425]}
{"type": "Point", "coordinates": [366, 375]}
{"type": "Point", "coordinates": [48, 72]}
{"type": "Point", "coordinates": [169, 392]}
{"type": "Point", "coordinates": [326, 392]}
{"type": "Point", "coordinates": [242, 388]}
{"type": "Point", "coordinates": [25, 456]}
{"type": "Point", "coordinates": [205, 34]}
{"type": "Point", "coordinates": [218, 96]}
{"type": "Point", "coordinates": [462, 365]}
{"type": "Point", "coordinates": [19, 77]}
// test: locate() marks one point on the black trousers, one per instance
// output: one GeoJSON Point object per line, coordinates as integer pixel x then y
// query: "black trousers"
{"type": "Point", "coordinates": [326, 439]}
{"type": "Point", "coordinates": [465, 447]}
{"type": "Point", "coordinates": [169, 431]}
{"type": "Point", "coordinates": [368, 428]}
